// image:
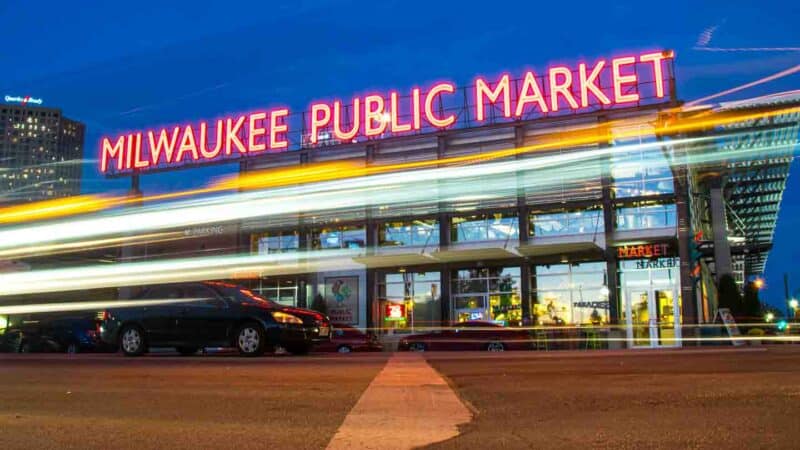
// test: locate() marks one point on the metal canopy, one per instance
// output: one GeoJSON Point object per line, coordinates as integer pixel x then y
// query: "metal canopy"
{"type": "Point", "coordinates": [754, 185]}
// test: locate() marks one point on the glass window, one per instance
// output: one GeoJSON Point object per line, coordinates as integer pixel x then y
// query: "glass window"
{"type": "Point", "coordinates": [569, 294]}
{"type": "Point", "coordinates": [211, 299]}
{"type": "Point", "coordinates": [646, 216]}
{"type": "Point", "coordinates": [484, 227]}
{"type": "Point", "coordinates": [411, 300]}
{"type": "Point", "coordinates": [488, 294]}
{"type": "Point", "coordinates": [162, 292]}
{"type": "Point", "coordinates": [279, 242]}
{"type": "Point", "coordinates": [418, 232]}
{"type": "Point", "coordinates": [567, 223]}
{"type": "Point", "coordinates": [642, 171]}
{"type": "Point", "coordinates": [278, 290]}
{"type": "Point", "coordinates": [340, 237]}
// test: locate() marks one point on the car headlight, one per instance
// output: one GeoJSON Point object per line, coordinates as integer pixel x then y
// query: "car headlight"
{"type": "Point", "coordinates": [282, 317]}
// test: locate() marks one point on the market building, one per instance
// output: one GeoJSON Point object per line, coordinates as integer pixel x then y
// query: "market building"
{"type": "Point", "coordinates": [616, 249]}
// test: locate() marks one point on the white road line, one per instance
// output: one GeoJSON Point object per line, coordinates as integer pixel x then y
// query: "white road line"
{"type": "Point", "coordinates": [407, 405]}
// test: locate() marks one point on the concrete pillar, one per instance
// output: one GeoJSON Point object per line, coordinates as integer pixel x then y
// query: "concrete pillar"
{"type": "Point", "coordinates": [719, 228]}
{"type": "Point", "coordinates": [609, 224]}
{"type": "Point", "coordinates": [688, 298]}
{"type": "Point", "coordinates": [129, 251]}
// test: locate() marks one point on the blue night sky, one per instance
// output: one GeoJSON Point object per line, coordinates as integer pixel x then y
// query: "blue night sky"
{"type": "Point", "coordinates": [120, 66]}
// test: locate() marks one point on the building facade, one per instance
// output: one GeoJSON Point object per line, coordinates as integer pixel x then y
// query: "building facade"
{"type": "Point", "coordinates": [41, 153]}
{"type": "Point", "coordinates": [597, 250]}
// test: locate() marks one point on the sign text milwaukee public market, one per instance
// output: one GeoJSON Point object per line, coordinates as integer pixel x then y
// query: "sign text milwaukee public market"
{"type": "Point", "coordinates": [606, 82]}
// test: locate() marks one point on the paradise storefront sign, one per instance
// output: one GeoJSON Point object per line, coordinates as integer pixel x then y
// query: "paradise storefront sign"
{"type": "Point", "coordinates": [604, 83]}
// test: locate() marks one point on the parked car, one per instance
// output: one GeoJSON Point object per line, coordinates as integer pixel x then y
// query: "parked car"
{"type": "Point", "coordinates": [212, 314]}
{"type": "Point", "coordinates": [70, 333]}
{"type": "Point", "coordinates": [346, 339]}
{"type": "Point", "coordinates": [472, 335]}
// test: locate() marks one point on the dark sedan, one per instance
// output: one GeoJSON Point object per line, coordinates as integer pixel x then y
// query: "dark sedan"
{"type": "Point", "coordinates": [474, 335]}
{"type": "Point", "coordinates": [212, 314]}
{"type": "Point", "coordinates": [70, 333]}
{"type": "Point", "coordinates": [348, 339]}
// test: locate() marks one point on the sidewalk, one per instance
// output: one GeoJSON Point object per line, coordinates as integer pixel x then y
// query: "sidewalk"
{"type": "Point", "coordinates": [407, 405]}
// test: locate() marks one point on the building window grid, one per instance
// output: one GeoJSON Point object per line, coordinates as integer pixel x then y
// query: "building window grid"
{"type": "Point", "coordinates": [485, 227]}
{"type": "Point", "coordinates": [571, 294]}
{"type": "Point", "coordinates": [641, 172]}
{"type": "Point", "coordinates": [639, 217]}
{"type": "Point", "coordinates": [566, 223]}
{"type": "Point", "coordinates": [494, 293]}
{"type": "Point", "coordinates": [346, 236]}
{"type": "Point", "coordinates": [419, 232]}
{"type": "Point", "coordinates": [279, 242]}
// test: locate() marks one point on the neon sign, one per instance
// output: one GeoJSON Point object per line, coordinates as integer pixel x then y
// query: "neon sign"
{"type": "Point", "coordinates": [395, 311]}
{"type": "Point", "coordinates": [604, 84]}
{"type": "Point", "coordinates": [23, 100]}
{"type": "Point", "coordinates": [644, 251]}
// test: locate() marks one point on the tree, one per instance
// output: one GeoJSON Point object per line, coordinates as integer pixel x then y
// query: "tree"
{"type": "Point", "coordinates": [729, 296]}
{"type": "Point", "coordinates": [751, 305]}
{"type": "Point", "coordinates": [319, 304]}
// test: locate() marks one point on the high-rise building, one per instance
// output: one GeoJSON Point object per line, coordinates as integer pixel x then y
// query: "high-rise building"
{"type": "Point", "coordinates": [40, 153]}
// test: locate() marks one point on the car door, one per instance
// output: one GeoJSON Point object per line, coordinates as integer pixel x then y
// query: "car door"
{"type": "Point", "coordinates": [159, 321]}
{"type": "Point", "coordinates": [205, 321]}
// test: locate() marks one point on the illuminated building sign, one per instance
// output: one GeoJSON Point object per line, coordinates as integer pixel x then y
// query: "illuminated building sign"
{"type": "Point", "coordinates": [395, 311]}
{"type": "Point", "coordinates": [23, 100]}
{"type": "Point", "coordinates": [644, 251]}
{"type": "Point", "coordinates": [603, 84]}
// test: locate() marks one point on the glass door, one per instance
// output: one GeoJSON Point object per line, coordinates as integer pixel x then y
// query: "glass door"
{"type": "Point", "coordinates": [637, 317]}
{"type": "Point", "coordinates": [666, 308]}
{"type": "Point", "coordinates": [651, 315]}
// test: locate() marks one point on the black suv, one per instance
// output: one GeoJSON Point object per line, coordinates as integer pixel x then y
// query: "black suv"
{"type": "Point", "coordinates": [211, 314]}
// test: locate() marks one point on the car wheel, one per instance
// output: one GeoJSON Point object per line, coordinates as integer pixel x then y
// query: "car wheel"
{"type": "Point", "coordinates": [187, 351]}
{"type": "Point", "coordinates": [495, 347]}
{"type": "Point", "coordinates": [344, 349]}
{"type": "Point", "coordinates": [72, 348]}
{"type": "Point", "coordinates": [250, 340]}
{"type": "Point", "coordinates": [416, 347]}
{"type": "Point", "coordinates": [132, 341]}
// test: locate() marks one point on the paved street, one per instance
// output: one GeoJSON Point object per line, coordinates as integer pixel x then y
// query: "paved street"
{"type": "Point", "coordinates": [666, 399]}
{"type": "Point", "coordinates": [109, 401]}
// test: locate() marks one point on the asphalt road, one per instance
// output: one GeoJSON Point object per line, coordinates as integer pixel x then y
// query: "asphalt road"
{"type": "Point", "coordinates": [628, 399]}
{"type": "Point", "coordinates": [109, 401]}
{"type": "Point", "coordinates": [681, 399]}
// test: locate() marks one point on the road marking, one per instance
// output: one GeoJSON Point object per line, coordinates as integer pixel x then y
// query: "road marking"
{"type": "Point", "coordinates": [407, 405]}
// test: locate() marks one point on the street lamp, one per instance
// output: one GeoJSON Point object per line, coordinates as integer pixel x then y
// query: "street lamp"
{"type": "Point", "coordinates": [769, 317]}
{"type": "Point", "coordinates": [759, 283]}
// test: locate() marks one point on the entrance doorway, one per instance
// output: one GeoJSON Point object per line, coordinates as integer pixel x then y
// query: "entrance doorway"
{"type": "Point", "coordinates": [652, 316]}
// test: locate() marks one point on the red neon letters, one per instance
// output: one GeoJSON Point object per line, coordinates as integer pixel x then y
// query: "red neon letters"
{"type": "Point", "coordinates": [239, 135]}
{"type": "Point", "coordinates": [604, 83]}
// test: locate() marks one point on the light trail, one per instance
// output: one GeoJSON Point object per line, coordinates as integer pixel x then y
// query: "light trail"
{"type": "Point", "coordinates": [90, 306]}
{"type": "Point", "coordinates": [334, 171]}
{"type": "Point", "coordinates": [379, 190]}
{"type": "Point", "coordinates": [387, 189]}
{"type": "Point", "coordinates": [775, 76]}
{"type": "Point", "coordinates": [496, 181]}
